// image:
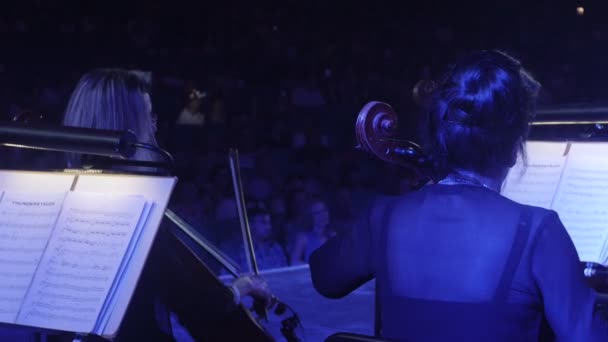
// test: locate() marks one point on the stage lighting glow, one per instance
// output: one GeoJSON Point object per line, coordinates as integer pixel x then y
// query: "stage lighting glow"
{"type": "Point", "coordinates": [580, 10]}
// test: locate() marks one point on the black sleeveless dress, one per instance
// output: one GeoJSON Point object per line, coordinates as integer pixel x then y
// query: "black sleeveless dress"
{"type": "Point", "coordinates": [463, 263]}
{"type": "Point", "coordinates": [495, 320]}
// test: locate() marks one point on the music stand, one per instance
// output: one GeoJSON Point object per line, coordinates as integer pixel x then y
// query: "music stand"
{"type": "Point", "coordinates": [98, 146]}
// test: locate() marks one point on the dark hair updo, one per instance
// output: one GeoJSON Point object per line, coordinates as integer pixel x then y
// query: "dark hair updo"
{"type": "Point", "coordinates": [480, 113]}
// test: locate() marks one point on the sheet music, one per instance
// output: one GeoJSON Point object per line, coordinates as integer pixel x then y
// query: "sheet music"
{"type": "Point", "coordinates": [26, 222]}
{"type": "Point", "coordinates": [113, 300]}
{"type": "Point", "coordinates": [581, 202]}
{"type": "Point", "coordinates": [81, 261]}
{"type": "Point", "coordinates": [156, 190]}
{"type": "Point", "coordinates": [534, 184]}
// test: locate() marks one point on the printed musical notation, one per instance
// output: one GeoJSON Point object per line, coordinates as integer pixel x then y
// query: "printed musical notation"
{"type": "Point", "coordinates": [92, 233]}
{"type": "Point", "coordinates": [40, 314]}
{"type": "Point", "coordinates": [535, 183]}
{"type": "Point", "coordinates": [581, 203]}
{"type": "Point", "coordinates": [81, 261]}
{"type": "Point", "coordinates": [116, 222]}
{"type": "Point", "coordinates": [107, 310]}
{"type": "Point", "coordinates": [56, 296]}
{"type": "Point", "coordinates": [26, 223]}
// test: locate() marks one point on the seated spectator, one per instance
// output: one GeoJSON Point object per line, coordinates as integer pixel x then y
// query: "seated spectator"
{"type": "Point", "coordinates": [191, 115]}
{"type": "Point", "coordinates": [221, 190]}
{"type": "Point", "coordinates": [319, 231]}
{"type": "Point", "coordinates": [268, 252]}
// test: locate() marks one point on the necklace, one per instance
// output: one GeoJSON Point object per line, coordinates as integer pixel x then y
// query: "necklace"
{"type": "Point", "coordinates": [452, 179]}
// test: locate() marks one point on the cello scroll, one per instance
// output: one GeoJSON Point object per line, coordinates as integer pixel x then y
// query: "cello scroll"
{"type": "Point", "coordinates": [375, 129]}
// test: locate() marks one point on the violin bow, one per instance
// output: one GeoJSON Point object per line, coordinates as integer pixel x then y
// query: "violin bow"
{"type": "Point", "coordinates": [235, 169]}
{"type": "Point", "coordinates": [242, 210]}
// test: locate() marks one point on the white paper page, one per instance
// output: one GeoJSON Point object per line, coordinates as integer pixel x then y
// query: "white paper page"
{"type": "Point", "coordinates": [537, 149]}
{"type": "Point", "coordinates": [154, 189]}
{"type": "Point", "coordinates": [83, 256]}
{"type": "Point", "coordinates": [26, 222]}
{"type": "Point", "coordinates": [112, 301]}
{"type": "Point", "coordinates": [582, 204]}
{"type": "Point", "coordinates": [534, 184]}
{"type": "Point", "coordinates": [589, 149]}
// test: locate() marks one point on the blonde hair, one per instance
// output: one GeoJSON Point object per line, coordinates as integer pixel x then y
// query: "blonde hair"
{"type": "Point", "coordinates": [112, 99]}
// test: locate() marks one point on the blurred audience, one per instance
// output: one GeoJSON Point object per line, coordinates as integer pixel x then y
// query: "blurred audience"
{"type": "Point", "coordinates": [314, 234]}
{"type": "Point", "coordinates": [285, 97]}
{"type": "Point", "coordinates": [268, 252]}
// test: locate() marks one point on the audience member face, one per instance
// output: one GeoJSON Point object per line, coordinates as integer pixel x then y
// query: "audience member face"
{"type": "Point", "coordinates": [261, 226]}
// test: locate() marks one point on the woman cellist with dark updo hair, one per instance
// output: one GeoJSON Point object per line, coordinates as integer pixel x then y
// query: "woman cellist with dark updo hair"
{"type": "Point", "coordinates": [456, 260]}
